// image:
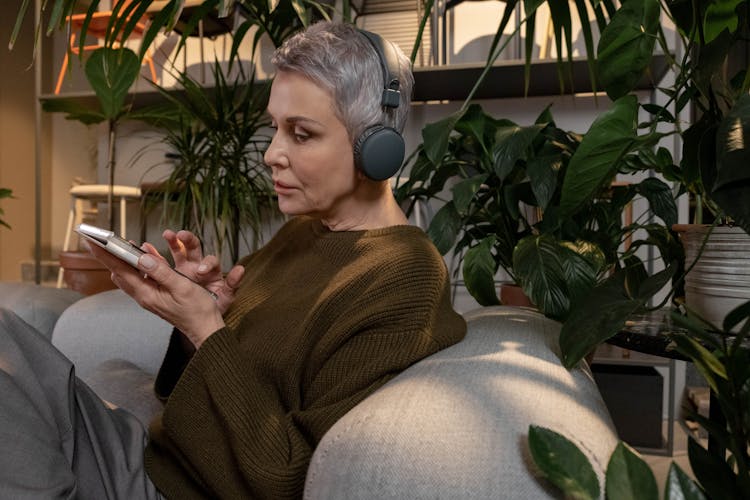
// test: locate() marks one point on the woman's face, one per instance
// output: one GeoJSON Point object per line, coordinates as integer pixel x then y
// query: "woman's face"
{"type": "Point", "coordinates": [310, 155]}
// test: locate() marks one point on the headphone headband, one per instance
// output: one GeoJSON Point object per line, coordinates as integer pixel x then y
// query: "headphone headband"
{"type": "Point", "coordinates": [389, 62]}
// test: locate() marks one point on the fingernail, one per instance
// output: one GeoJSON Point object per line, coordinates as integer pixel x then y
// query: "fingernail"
{"type": "Point", "coordinates": [202, 268]}
{"type": "Point", "coordinates": [147, 262]}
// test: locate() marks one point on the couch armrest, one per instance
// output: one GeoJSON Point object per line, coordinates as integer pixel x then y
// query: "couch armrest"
{"type": "Point", "coordinates": [110, 325]}
{"type": "Point", "coordinates": [37, 305]}
{"type": "Point", "coordinates": [455, 425]}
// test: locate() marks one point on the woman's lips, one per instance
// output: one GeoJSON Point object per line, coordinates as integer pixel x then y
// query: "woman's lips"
{"type": "Point", "coordinates": [282, 188]}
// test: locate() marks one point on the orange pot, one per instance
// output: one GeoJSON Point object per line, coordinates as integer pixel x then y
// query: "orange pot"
{"type": "Point", "coordinates": [85, 274]}
{"type": "Point", "coordinates": [513, 295]}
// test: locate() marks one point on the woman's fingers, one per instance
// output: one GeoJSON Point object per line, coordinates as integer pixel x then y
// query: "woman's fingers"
{"type": "Point", "coordinates": [209, 268]}
{"type": "Point", "coordinates": [149, 248]}
{"type": "Point", "coordinates": [234, 277]}
{"type": "Point", "coordinates": [191, 244]}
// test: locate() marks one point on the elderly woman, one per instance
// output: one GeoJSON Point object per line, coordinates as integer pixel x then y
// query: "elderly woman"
{"type": "Point", "coordinates": [343, 298]}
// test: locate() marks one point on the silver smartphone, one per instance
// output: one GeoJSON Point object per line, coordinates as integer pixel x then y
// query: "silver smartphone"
{"type": "Point", "coordinates": [112, 243]}
{"type": "Point", "coordinates": [119, 247]}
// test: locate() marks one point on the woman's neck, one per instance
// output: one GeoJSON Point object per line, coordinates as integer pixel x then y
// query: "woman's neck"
{"type": "Point", "coordinates": [375, 211]}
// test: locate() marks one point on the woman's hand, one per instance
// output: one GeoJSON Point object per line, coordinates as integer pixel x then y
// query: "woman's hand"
{"type": "Point", "coordinates": [188, 257]}
{"type": "Point", "coordinates": [156, 287]}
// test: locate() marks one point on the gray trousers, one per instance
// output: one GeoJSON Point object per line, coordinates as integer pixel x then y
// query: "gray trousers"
{"type": "Point", "coordinates": [57, 438]}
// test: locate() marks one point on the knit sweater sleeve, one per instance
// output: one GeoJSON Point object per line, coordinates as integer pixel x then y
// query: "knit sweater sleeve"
{"type": "Point", "coordinates": [177, 356]}
{"type": "Point", "coordinates": [270, 443]}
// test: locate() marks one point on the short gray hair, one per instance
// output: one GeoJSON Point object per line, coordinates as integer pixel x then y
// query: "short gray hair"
{"type": "Point", "coordinates": [342, 61]}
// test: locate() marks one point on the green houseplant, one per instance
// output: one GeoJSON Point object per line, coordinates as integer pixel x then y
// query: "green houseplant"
{"type": "Point", "coordinates": [513, 205]}
{"type": "Point", "coordinates": [722, 472]}
{"type": "Point", "coordinates": [714, 164]}
{"type": "Point", "coordinates": [219, 186]}
{"type": "Point", "coordinates": [213, 129]}
{"type": "Point", "coordinates": [716, 169]}
{"type": "Point", "coordinates": [110, 72]}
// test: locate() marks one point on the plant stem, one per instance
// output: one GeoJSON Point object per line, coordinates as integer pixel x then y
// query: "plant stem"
{"type": "Point", "coordinates": [112, 126]}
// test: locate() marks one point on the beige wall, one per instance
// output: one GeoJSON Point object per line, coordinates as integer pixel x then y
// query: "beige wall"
{"type": "Point", "coordinates": [17, 147]}
{"type": "Point", "coordinates": [68, 150]}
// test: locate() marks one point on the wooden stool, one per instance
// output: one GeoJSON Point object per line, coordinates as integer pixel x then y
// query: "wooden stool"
{"type": "Point", "coordinates": [91, 194]}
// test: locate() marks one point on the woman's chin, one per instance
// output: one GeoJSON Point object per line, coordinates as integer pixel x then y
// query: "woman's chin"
{"type": "Point", "coordinates": [290, 209]}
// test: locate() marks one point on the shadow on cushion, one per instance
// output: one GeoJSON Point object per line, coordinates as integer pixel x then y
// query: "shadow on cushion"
{"type": "Point", "coordinates": [126, 386]}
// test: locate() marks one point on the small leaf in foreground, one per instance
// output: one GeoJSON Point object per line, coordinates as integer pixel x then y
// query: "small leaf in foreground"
{"type": "Point", "coordinates": [563, 464]}
{"type": "Point", "coordinates": [629, 477]}
{"type": "Point", "coordinates": [680, 486]}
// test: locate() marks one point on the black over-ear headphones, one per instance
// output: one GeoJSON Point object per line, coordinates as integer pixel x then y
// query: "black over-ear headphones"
{"type": "Point", "coordinates": [379, 150]}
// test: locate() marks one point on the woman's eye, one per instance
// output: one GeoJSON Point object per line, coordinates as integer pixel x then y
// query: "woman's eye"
{"type": "Point", "coordinates": [301, 136]}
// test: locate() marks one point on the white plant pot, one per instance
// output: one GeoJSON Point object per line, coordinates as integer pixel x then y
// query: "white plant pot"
{"type": "Point", "coordinates": [720, 279]}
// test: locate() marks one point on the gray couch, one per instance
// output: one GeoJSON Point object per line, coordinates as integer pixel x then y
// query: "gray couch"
{"type": "Point", "coordinates": [452, 426]}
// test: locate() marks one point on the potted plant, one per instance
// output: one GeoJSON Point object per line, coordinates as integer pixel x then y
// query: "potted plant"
{"type": "Point", "coordinates": [110, 72]}
{"type": "Point", "coordinates": [714, 163]}
{"type": "Point", "coordinates": [514, 204]}
{"type": "Point", "coordinates": [242, 180]}
{"type": "Point", "coordinates": [219, 187]}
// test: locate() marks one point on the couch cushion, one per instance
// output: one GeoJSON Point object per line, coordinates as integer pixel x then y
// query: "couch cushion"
{"type": "Point", "coordinates": [455, 425]}
{"type": "Point", "coordinates": [37, 305]}
{"type": "Point", "coordinates": [110, 325]}
{"type": "Point", "coordinates": [125, 385]}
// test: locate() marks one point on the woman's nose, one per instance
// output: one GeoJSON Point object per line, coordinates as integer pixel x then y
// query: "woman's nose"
{"type": "Point", "coordinates": [274, 156]}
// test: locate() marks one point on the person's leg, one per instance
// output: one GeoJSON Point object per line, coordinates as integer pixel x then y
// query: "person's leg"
{"type": "Point", "coordinates": [59, 439]}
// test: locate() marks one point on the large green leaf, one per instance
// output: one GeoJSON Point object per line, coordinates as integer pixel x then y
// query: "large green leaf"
{"type": "Point", "coordinates": [111, 72]}
{"type": "Point", "coordinates": [680, 486]}
{"type": "Point", "coordinates": [594, 163]}
{"type": "Point", "coordinates": [626, 46]}
{"type": "Point", "coordinates": [464, 191]}
{"type": "Point", "coordinates": [660, 199]}
{"type": "Point", "coordinates": [73, 110]}
{"type": "Point", "coordinates": [543, 173]}
{"type": "Point", "coordinates": [473, 123]}
{"type": "Point", "coordinates": [435, 136]}
{"type": "Point", "coordinates": [164, 18]}
{"type": "Point", "coordinates": [706, 362]}
{"type": "Point", "coordinates": [603, 313]}
{"type": "Point", "coordinates": [581, 262]}
{"type": "Point", "coordinates": [698, 155]}
{"type": "Point", "coordinates": [629, 477]}
{"type": "Point", "coordinates": [563, 464]}
{"type": "Point", "coordinates": [731, 190]}
{"type": "Point", "coordinates": [479, 272]}
{"type": "Point", "coordinates": [539, 268]}
{"type": "Point", "coordinates": [511, 144]}
{"type": "Point", "coordinates": [712, 472]}
{"type": "Point", "coordinates": [444, 227]}
{"type": "Point", "coordinates": [720, 16]}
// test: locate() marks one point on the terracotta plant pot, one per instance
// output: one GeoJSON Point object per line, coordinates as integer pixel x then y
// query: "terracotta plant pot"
{"type": "Point", "coordinates": [84, 274]}
{"type": "Point", "coordinates": [513, 295]}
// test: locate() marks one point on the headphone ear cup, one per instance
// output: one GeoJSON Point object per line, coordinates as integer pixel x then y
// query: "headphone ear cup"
{"type": "Point", "coordinates": [379, 152]}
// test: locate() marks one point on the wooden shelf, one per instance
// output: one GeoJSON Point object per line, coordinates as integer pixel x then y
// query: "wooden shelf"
{"type": "Point", "coordinates": [506, 80]}
{"type": "Point", "coordinates": [454, 82]}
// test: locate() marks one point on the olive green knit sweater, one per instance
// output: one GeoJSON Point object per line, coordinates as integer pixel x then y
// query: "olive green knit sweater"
{"type": "Point", "coordinates": [321, 320]}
